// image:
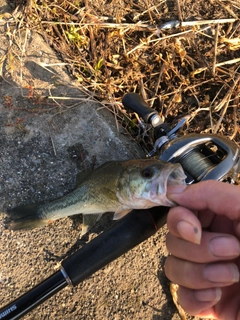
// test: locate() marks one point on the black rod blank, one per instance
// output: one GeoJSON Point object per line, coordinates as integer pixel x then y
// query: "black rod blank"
{"type": "Point", "coordinates": [34, 297]}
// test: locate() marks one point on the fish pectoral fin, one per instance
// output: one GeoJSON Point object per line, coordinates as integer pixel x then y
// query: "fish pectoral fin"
{"type": "Point", "coordinates": [119, 215]}
{"type": "Point", "coordinates": [89, 220]}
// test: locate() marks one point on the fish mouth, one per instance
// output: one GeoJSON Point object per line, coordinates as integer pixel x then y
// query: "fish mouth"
{"type": "Point", "coordinates": [174, 175]}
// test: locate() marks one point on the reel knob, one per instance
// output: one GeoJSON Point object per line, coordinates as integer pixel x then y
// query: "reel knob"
{"type": "Point", "coordinates": [135, 102]}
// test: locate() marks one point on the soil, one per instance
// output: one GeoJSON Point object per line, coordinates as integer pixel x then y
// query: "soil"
{"type": "Point", "coordinates": [43, 141]}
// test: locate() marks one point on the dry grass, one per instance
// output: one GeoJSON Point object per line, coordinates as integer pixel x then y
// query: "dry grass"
{"type": "Point", "coordinates": [114, 47]}
{"type": "Point", "coordinates": [180, 64]}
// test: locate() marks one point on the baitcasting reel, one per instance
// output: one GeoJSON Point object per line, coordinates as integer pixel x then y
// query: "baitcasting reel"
{"type": "Point", "coordinates": [202, 156]}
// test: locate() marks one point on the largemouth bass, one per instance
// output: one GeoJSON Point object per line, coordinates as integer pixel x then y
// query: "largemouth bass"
{"type": "Point", "coordinates": [115, 186]}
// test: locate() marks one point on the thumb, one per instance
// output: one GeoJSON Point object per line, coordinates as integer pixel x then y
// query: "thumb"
{"type": "Point", "coordinates": [219, 197]}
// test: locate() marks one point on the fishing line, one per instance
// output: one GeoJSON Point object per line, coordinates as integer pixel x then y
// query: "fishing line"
{"type": "Point", "coordinates": [199, 161]}
{"type": "Point", "coordinates": [197, 164]}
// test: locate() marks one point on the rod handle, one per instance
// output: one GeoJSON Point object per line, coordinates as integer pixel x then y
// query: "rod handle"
{"type": "Point", "coordinates": [135, 227]}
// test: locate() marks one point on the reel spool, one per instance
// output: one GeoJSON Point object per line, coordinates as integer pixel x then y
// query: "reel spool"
{"type": "Point", "coordinates": [204, 157]}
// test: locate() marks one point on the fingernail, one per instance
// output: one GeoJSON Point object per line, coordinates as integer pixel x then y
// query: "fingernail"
{"type": "Point", "coordinates": [224, 247]}
{"type": "Point", "coordinates": [189, 232]}
{"type": "Point", "coordinates": [176, 189]}
{"type": "Point", "coordinates": [221, 273]}
{"type": "Point", "coordinates": [208, 295]}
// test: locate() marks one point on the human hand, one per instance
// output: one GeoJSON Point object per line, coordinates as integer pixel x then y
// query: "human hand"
{"type": "Point", "coordinates": [204, 241]}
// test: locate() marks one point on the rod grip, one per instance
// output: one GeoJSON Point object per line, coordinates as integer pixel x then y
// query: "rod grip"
{"type": "Point", "coordinates": [125, 234]}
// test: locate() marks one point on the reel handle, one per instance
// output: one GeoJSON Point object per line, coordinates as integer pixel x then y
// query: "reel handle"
{"type": "Point", "coordinates": [136, 103]}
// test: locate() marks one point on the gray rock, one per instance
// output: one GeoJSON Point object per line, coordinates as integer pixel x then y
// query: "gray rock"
{"type": "Point", "coordinates": [42, 147]}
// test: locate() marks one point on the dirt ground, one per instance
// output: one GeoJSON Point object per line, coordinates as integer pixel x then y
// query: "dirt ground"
{"type": "Point", "coordinates": [174, 74]}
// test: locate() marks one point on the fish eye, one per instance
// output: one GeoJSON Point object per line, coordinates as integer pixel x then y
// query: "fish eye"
{"type": "Point", "coordinates": [147, 173]}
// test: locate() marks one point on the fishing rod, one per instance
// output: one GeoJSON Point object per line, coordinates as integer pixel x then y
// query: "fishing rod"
{"type": "Point", "coordinates": [202, 156]}
{"type": "Point", "coordinates": [124, 235]}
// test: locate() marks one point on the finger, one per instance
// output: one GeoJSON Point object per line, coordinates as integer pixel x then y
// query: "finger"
{"type": "Point", "coordinates": [219, 197]}
{"type": "Point", "coordinates": [200, 276]}
{"type": "Point", "coordinates": [237, 228]}
{"type": "Point", "coordinates": [183, 223]}
{"type": "Point", "coordinates": [213, 247]}
{"type": "Point", "coordinates": [206, 217]}
{"type": "Point", "coordinates": [222, 224]}
{"type": "Point", "coordinates": [199, 302]}
{"type": "Point", "coordinates": [191, 230]}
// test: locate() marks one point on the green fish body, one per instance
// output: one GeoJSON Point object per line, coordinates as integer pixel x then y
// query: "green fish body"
{"type": "Point", "coordinates": [115, 186]}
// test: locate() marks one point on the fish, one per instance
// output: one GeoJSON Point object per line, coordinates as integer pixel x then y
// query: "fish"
{"type": "Point", "coordinates": [115, 186]}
